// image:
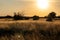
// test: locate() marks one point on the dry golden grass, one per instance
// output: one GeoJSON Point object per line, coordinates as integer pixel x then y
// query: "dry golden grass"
{"type": "Point", "coordinates": [30, 31]}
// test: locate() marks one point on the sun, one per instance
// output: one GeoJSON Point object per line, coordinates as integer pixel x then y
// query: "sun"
{"type": "Point", "coordinates": [43, 4]}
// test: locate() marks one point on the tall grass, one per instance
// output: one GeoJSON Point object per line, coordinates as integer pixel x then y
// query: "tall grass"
{"type": "Point", "coordinates": [30, 31]}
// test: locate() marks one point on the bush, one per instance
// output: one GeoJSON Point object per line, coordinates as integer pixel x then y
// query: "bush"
{"type": "Point", "coordinates": [35, 17]}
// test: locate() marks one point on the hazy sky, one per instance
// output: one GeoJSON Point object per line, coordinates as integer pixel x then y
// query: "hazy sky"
{"type": "Point", "coordinates": [8, 7]}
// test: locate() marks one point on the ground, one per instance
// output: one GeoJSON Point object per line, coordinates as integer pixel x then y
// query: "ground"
{"type": "Point", "coordinates": [30, 29]}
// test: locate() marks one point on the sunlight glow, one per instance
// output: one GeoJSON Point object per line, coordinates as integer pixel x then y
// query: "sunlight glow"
{"type": "Point", "coordinates": [43, 4]}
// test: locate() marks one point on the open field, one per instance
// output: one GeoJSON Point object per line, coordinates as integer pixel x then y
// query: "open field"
{"type": "Point", "coordinates": [29, 30]}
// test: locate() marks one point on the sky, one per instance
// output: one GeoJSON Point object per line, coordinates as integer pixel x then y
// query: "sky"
{"type": "Point", "coordinates": [29, 7]}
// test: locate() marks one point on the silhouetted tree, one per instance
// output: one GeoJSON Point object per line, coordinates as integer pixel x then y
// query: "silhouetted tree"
{"type": "Point", "coordinates": [51, 16]}
{"type": "Point", "coordinates": [58, 16]}
{"type": "Point", "coordinates": [45, 16]}
{"type": "Point", "coordinates": [18, 16]}
{"type": "Point", "coordinates": [35, 17]}
{"type": "Point", "coordinates": [15, 16]}
{"type": "Point", "coordinates": [8, 16]}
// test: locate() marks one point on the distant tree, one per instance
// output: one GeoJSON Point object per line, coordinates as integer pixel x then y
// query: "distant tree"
{"type": "Point", "coordinates": [15, 16]}
{"type": "Point", "coordinates": [51, 16]}
{"type": "Point", "coordinates": [58, 16]}
{"type": "Point", "coordinates": [8, 16]}
{"type": "Point", "coordinates": [35, 17]}
{"type": "Point", "coordinates": [45, 16]}
{"type": "Point", "coordinates": [18, 16]}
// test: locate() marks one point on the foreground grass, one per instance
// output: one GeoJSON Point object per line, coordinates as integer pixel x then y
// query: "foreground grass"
{"type": "Point", "coordinates": [30, 31]}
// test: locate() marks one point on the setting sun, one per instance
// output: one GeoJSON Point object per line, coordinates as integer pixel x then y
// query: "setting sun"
{"type": "Point", "coordinates": [43, 4]}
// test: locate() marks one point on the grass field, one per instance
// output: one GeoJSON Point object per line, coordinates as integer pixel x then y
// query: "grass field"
{"type": "Point", "coordinates": [29, 30]}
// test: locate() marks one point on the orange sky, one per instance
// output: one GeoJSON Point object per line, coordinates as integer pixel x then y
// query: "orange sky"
{"type": "Point", "coordinates": [8, 7]}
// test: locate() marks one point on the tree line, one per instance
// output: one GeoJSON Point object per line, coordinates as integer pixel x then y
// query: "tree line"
{"type": "Point", "coordinates": [20, 16]}
{"type": "Point", "coordinates": [50, 17]}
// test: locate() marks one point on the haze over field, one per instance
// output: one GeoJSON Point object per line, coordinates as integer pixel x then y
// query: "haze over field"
{"type": "Point", "coordinates": [30, 7]}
